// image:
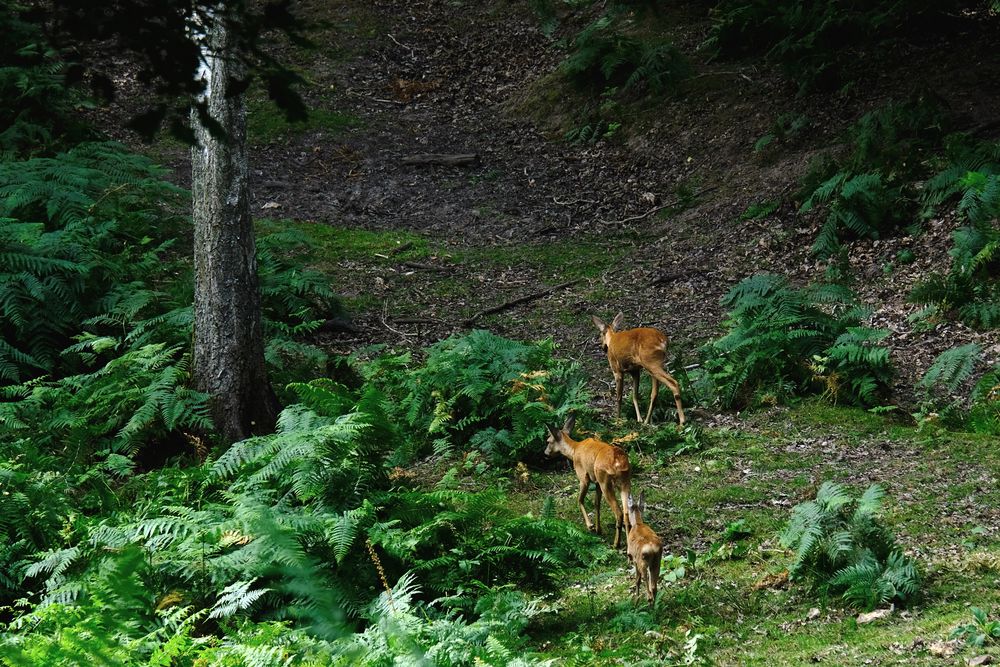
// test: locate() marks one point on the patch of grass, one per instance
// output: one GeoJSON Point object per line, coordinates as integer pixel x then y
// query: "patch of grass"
{"type": "Point", "coordinates": [937, 482]}
{"type": "Point", "coordinates": [335, 245]}
{"type": "Point", "coordinates": [555, 261]}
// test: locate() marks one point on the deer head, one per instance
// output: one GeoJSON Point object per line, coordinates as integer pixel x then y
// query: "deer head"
{"type": "Point", "coordinates": [556, 442]}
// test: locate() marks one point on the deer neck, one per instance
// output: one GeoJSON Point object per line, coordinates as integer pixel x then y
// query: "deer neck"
{"type": "Point", "coordinates": [567, 447]}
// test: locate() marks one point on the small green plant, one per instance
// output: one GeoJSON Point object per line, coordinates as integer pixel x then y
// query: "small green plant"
{"type": "Point", "coordinates": [981, 631]}
{"type": "Point", "coordinates": [760, 209]}
{"type": "Point", "coordinates": [786, 128]}
{"type": "Point", "coordinates": [943, 383]}
{"type": "Point", "coordinates": [592, 133]}
{"type": "Point", "coordinates": [841, 548]}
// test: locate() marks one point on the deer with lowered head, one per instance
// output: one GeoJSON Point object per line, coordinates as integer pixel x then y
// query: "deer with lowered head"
{"type": "Point", "coordinates": [595, 461]}
{"type": "Point", "coordinates": [645, 549]}
{"type": "Point", "coordinates": [630, 351]}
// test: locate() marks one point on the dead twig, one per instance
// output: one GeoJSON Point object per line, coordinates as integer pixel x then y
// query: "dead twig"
{"type": "Point", "coordinates": [456, 160]}
{"type": "Point", "coordinates": [675, 202]}
{"type": "Point", "coordinates": [401, 248]}
{"type": "Point", "coordinates": [420, 266]}
{"type": "Point", "coordinates": [418, 320]}
{"type": "Point", "coordinates": [408, 48]}
{"type": "Point", "coordinates": [515, 302]}
{"type": "Point", "coordinates": [555, 200]}
{"type": "Point", "coordinates": [385, 313]}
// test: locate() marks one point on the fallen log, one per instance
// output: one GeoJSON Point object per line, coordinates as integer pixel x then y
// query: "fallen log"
{"type": "Point", "coordinates": [469, 321]}
{"type": "Point", "coordinates": [455, 160]}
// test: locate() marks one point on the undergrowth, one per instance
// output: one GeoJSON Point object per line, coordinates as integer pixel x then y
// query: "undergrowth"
{"type": "Point", "coordinates": [783, 342]}
{"type": "Point", "coordinates": [841, 548]}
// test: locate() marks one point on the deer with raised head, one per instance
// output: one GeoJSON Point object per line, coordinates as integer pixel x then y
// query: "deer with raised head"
{"type": "Point", "coordinates": [630, 351]}
{"type": "Point", "coordinates": [645, 549]}
{"type": "Point", "coordinates": [595, 461]}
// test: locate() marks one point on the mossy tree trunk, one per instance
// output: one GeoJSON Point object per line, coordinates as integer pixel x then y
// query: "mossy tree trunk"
{"type": "Point", "coordinates": [228, 341]}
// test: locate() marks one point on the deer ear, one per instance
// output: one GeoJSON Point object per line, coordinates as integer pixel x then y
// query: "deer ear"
{"type": "Point", "coordinates": [553, 431]}
{"type": "Point", "coordinates": [601, 326]}
{"type": "Point", "coordinates": [616, 323]}
{"type": "Point", "coordinates": [642, 500]}
{"type": "Point", "coordinates": [631, 502]}
{"type": "Point", "coordinates": [570, 422]}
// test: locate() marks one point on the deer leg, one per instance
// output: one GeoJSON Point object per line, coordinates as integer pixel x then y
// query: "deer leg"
{"type": "Point", "coordinates": [652, 399]}
{"type": "Point", "coordinates": [619, 382]}
{"type": "Point", "coordinates": [597, 507]}
{"type": "Point", "coordinates": [635, 393]}
{"type": "Point", "coordinates": [584, 483]}
{"type": "Point", "coordinates": [610, 497]}
{"type": "Point", "coordinates": [624, 490]}
{"type": "Point", "coordinates": [638, 583]}
{"type": "Point", "coordinates": [671, 384]}
{"type": "Point", "coordinates": [652, 577]}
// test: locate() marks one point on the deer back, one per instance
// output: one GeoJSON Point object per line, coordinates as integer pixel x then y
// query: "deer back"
{"type": "Point", "coordinates": [637, 347]}
{"type": "Point", "coordinates": [643, 544]}
{"type": "Point", "coordinates": [597, 456]}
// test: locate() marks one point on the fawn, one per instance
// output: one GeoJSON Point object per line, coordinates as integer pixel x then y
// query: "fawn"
{"type": "Point", "coordinates": [645, 549]}
{"type": "Point", "coordinates": [630, 351]}
{"type": "Point", "coordinates": [595, 461]}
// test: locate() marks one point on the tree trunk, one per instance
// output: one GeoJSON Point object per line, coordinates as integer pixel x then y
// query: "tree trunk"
{"type": "Point", "coordinates": [228, 342]}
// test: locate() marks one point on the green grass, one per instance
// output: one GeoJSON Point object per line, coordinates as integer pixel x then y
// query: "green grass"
{"type": "Point", "coordinates": [333, 246]}
{"type": "Point", "coordinates": [556, 261]}
{"type": "Point", "coordinates": [266, 123]}
{"type": "Point", "coordinates": [940, 489]}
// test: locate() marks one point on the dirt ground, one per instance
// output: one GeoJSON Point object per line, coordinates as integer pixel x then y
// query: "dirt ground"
{"type": "Point", "coordinates": [438, 76]}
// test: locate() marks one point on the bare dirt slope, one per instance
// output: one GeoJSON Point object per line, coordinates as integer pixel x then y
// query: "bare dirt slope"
{"type": "Point", "coordinates": [446, 76]}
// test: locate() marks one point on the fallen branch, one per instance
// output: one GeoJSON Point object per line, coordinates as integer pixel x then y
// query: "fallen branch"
{"type": "Point", "coordinates": [457, 160]}
{"type": "Point", "coordinates": [385, 312]}
{"type": "Point", "coordinates": [518, 301]}
{"type": "Point", "coordinates": [675, 202]}
{"type": "Point", "coordinates": [420, 266]}
{"type": "Point", "coordinates": [401, 248]}
{"type": "Point", "coordinates": [417, 320]}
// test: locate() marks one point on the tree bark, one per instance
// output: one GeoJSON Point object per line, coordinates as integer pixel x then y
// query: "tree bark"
{"type": "Point", "coordinates": [228, 341]}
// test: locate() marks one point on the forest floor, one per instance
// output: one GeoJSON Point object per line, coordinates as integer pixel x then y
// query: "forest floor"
{"type": "Point", "coordinates": [650, 219]}
{"type": "Point", "coordinates": [647, 222]}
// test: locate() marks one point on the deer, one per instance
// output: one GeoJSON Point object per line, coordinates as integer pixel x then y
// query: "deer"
{"type": "Point", "coordinates": [630, 351]}
{"type": "Point", "coordinates": [595, 461]}
{"type": "Point", "coordinates": [645, 549]}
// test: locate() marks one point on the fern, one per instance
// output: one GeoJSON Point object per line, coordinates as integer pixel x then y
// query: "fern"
{"type": "Point", "coordinates": [605, 56]}
{"type": "Point", "coordinates": [776, 335]}
{"type": "Point", "coordinates": [943, 383]}
{"type": "Point", "coordinates": [841, 547]}
{"type": "Point", "coordinates": [817, 44]}
{"type": "Point", "coordinates": [68, 226]}
{"type": "Point", "coordinates": [490, 392]}
{"type": "Point", "coordinates": [971, 289]}
{"type": "Point", "coordinates": [951, 369]}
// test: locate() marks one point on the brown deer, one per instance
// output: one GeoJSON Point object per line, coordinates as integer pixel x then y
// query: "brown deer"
{"type": "Point", "coordinates": [630, 351]}
{"type": "Point", "coordinates": [595, 461]}
{"type": "Point", "coordinates": [645, 549]}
